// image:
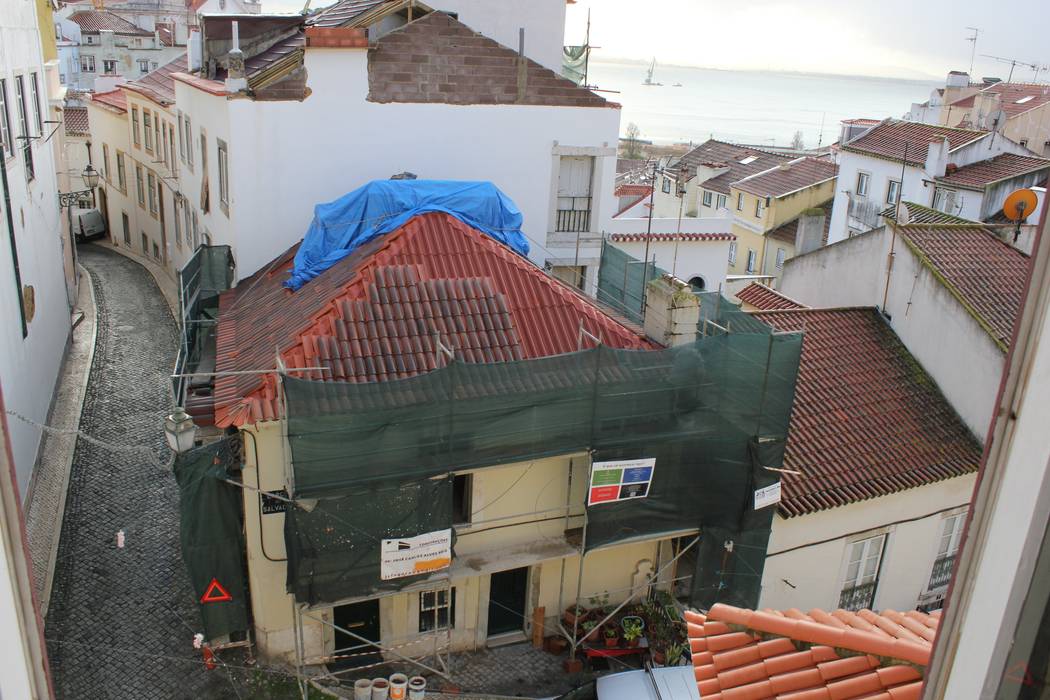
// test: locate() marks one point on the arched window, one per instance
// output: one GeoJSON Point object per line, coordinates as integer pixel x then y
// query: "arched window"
{"type": "Point", "coordinates": [698, 284]}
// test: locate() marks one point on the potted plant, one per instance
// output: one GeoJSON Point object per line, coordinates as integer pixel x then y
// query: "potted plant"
{"type": "Point", "coordinates": [572, 614]}
{"type": "Point", "coordinates": [675, 654]}
{"type": "Point", "coordinates": [632, 630]}
{"type": "Point", "coordinates": [590, 630]}
{"type": "Point", "coordinates": [572, 665]}
{"type": "Point", "coordinates": [557, 644]}
{"type": "Point", "coordinates": [612, 637]}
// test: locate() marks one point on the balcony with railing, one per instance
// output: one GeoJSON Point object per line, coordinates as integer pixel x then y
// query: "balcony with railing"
{"type": "Point", "coordinates": [858, 597]}
{"type": "Point", "coordinates": [942, 572]}
{"type": "Point", "coordinates": [575, 217]}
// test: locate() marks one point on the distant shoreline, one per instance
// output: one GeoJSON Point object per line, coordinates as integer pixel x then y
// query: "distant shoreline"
{"type": "Point", "coordinates": [856, 76]}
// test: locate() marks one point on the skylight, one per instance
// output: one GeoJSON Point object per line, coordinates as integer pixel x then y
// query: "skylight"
{"type": "Point", "coordinates": [749, 159]}
{"type": "Point", "coordinates": [1029, 98]}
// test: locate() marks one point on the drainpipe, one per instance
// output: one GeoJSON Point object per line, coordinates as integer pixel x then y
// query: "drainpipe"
{"type": "Point", "coordinates": [13, 241]}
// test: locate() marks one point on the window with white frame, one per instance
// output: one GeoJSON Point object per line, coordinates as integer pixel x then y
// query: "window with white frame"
{"type": "Point", "coordinates": [151, 179]}
{"type": "Point", "coordinates": [178, 222]}
{"type": "Point", "coordinates": [135, 133]}
{"type": "Point", "coordinates": [34, 86]}
{"type": "Point", "coordinates": [437, 610]}
{"type": "Point", "coordinates": [7, 138]}
{"type": "Point", "coordinates": [721, 202]}
{"type": "Point", "coordinates": [781, 254]}
{"type": "Point", "coordinates": [196, 231]}
{"type": "Point", "coordinates": [122, 176]}
{"type": "Point", "coordinates": [109, 67]}
{"type": "Point", "coordinates": [147, 130]}
{"type": "Point", "coordinates": [667, 184]}
{"type": "Point", "coordinates": [863, 560]}
{"type": "Point", "coordinates": [760, 208]}
{"type": "Point", "coordinates": [23, 125]}
{"type": "Point", "coordinates": [143, 65]}
{"type": "Point", "coordinates": [893, 189]}
{"type": "Point", "coordinates": [740, 201]}
{"type": "Point", "coordinates": [189, 143]}
{"type": "Point", "coordinates": [87, 63]}
{"type": "Point", "coordinates": [140, 186]}
{"type": "Point", "coordinates": [947, 548]}
{"type": "Point", "coordinates": [182, 139]}
{"type": "Point", "coordinates": [186, 221]}
{"type": "Point", "coordinates": [105, 161]}
{"type": "Point", "coordinates": [708, 197]}
{"type": "Point", "coordinates": [732, 252]}
{"type": "Point", "coordinates": [752, 257]}
{"type": "Point", "coordinates": [224, 175]}
{"type": "Point", "coordinates": [863, 183]}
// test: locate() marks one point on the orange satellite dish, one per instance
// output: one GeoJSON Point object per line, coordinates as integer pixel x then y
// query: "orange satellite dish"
{"type": "Point", "coordinates": [1020, 205]}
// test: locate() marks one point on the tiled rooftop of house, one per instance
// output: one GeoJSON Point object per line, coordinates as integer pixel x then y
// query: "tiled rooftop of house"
{"type": "Point", "coordinates": [742, 654]}
{"type": "Point", "coordinates": [920, 214]}
{"type": "Point", "coordinates": [159, 85]}
{"type": "Point", "coordinates": [1004, 166]}
{"type": "Point", "coordinates": [375, 314]}
{"type": "Point", "coordinates": [867, 421]}
{"type": "Point", "coordinates": [742, 161]}
{"type": "Point", "coordinates": [986, 275]}
{"type": "Point", "coordinates": [888, 140]}
{"type": "Point", "coordinates": [789, 177]}
{"type": "Point", "coordinates": [94, 21]}
{"type": "Point", "coordinates": [663, 237]}
{"type": "Point", "coordinates": [347, 13]}
{"type": "Point", "coordinates": [764, 298]}
{"type": "Point", "coordinates": [438, 59]}
{"type": "Point", "coordinates": [1015, 98]}
{"type": "Point", "coordinates": [629, 190]}
{"type": "Point", "coordinates": [114, 99]}
{"type": "Point", "coordinates": [76, 121]}
{"type": "Point", "coordinates": [788, 230]}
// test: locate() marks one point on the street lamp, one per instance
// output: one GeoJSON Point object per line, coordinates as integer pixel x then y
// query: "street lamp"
{"type": "Point", "coordinates": [90, 176]}
{"type": "Point", "coordinates": [179, 430]}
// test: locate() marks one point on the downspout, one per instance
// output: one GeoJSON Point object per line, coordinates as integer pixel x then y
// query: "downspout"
{"type": "Point", "coordinates": [14, 242]}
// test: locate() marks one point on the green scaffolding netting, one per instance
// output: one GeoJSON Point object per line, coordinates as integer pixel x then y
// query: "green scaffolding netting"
{"type": "Point", "coordinates": [713, 413]}
{"type": "Point", "coordinates": [622, 280]}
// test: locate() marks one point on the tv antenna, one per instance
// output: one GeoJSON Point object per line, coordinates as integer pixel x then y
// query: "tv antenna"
{"type": "Point", "coordinates": [1013, 64]}
{"type": "Point", "coordinates": [973, 42]}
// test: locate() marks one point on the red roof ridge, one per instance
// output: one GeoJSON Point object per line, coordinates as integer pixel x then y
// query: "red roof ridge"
{"type": "Point", "coordinates": [761, 296]}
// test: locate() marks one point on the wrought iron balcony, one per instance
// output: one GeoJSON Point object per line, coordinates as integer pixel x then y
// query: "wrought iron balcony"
{"type": "Point", "coordinates": [577, 218]}
{"type": "Point", "coordinates": [942, 572]}
{"type": "Point", "coordinates": [857, 597]}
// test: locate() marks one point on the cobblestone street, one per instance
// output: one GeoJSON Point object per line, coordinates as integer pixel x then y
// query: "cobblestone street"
{"type": "Point", "coordinates": [121, 621]}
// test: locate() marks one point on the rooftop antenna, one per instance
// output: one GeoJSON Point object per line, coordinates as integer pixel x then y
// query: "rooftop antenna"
{"type": "Point", "coordinates": [973, 48]}
{"type": "Point", "coordinates": [820, 138]}
{"type": "Point", "coordinates": [1013, 64]}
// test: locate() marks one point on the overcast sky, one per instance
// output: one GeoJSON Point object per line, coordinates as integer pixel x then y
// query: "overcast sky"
{"type": "Point", "coordinates": [898, 38]}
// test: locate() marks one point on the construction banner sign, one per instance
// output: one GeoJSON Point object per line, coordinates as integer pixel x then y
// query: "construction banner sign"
{"type": "Point", "coordinates": [620, 480]}
{"type": "Point", "coordinates": [411, 556]}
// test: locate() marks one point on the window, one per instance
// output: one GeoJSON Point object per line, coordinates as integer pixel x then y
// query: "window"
{"type": "Point", "coordinates": [740, 201]}
{"type": "Point", "coordinates": [89, 40]}
{"type": "Point", "coordinates": [667, 185]}
{"type": "Point", "coordinates": [893, 189]}
{"type": "Point", "coordinates": [947, 548]}
{"type": "Point", "coordinates": [205, 185]}
{"type": "Point", "coordinates": [224, 176]}
{"type": "Point", "coordinates": [182, 140]}
{"type": "Point", "coordinates": [780, 258]}
{"type": "Point", "coordinates": [127, 227]}
{"type": "Point", "coordinates": [105, 161]}
{"type": "Point", "coordinates": [707, 198]}
{"type": "Point", "coordinates": [178, 223]}
{"type": "Point", "coordinates": [153, 65]}
{"type": "Point", "coordinates": [945, 200]}
{"type": "Point", "coordinates": [721, 202]}
{"type": "Point", "coordinates": [1023, 143]}
{"type": "Point", "coordinates": [196, 234]}
{"type": "Point", "coordinates": [862, 573]}
{"type": "Point", "coordinates": [143, 65]}
{"type": "Point", "coordinates": [437, 610]}
{"type": "Point", "coordinates": [732, 252]}
{"type": "Point", "coordinates": [759, 209]}
{"type": "Point", "coordinates": [158, 139]}
{"type": "Point", "coordinates": [87, 63]}
{"type": "Point", "coordinates": [145, 243]}
{"type": "Point", "coordinates": [23, 125]}
{"type": "Point", "coordinates": [6, 137]}
{"type": "Point", "coordinates": [122, 177]}
{"type": "Point", "coordinates": [156, 251]}
{"type": "Point", "coordinates": [863, 179]}
{"type": "Point", "coordinates": [140, 186]}
{"type": "Point", "coordinates": [147, 130]}
{"type": "Point", "coordinates": [189, 144]}
{"type": "Point", "coordinates": [62, 78]}
{"type": "Point", "coordinates": [109, 67]}
{"type": "Point", "coordinates": [462, 485]}
{"type": "Point", "coordinates": [34, 85]}
{"type": "Point", "coordinates": [152, 185]}
{"type": "Point", "coordinates": [186, 221]}
{"type": "Point", "coordinates": [135, 138]}
{"type": "Point", "coordinates": [751, 256]}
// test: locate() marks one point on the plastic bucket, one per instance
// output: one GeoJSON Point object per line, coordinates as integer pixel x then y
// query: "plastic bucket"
{"type": "Point", "coordinates": [417, 688]}
{"type": "Point", "coordinates": [380, 689]}
{"type": "Point", "coordinates": [363, 689]}
{"type": "Point", "coordinates": [398, 686]}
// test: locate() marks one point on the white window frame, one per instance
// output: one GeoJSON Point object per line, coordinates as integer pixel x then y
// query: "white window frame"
{"type": "Point", "coordinates": [435, 605]}
{"type": "Point", "coordinates": [720, 202]}
{"type": "Point", "coordinates": [136, 135]}
{"type": "Point", "coordinates": [87, 62]}
{"type": "Point", "coordinates": [7, 135]}
{"type": "Point", "coordinates": [122, 173]}
{"type": "Point", "coordinates": [860, 552]}
{"type": "Point", "coordinates": [143, 65]}
{"type": "Point", "coordinates": [740, 201]}
{"type": "Point", "coordinates": [732, 252]}
{"type": "Point", "coordinates": [109, 66]}
{"type": "Point", "coordinates": [22, 112]}
{"type": "Point", "coordinates": [781, 256]}
{"type": "Point", "coordinates": [147, 130]}
{"type": "Point", "coordinates": [223, 164]}
{"type": "Point", "coordinates": [708, 198]}
{"type": "Point", "coordinates": [151, 189]}
{"type": "Point", "coordinates": [666, 186]}
{"type": "Point", "coordinates": [760, 208]}
{"type": "Point", "coordinates": [863, 183]}
{"type": "Point", "coordinates": [893, 188]}
{"type": "Point", "coordinates": [140, 185]}
{"type": "Point", "coordinates": [34, 90]}
{"type": "Point", "coordinates": [752, 260]}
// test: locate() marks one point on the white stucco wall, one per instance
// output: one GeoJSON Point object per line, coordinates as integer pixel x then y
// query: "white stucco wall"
{"type": "Point", "coordinates": [542, 20]}
{"type": "Point", "coordinates": [946, 340]}
{"type": "Point", "coordinates": [807, 555]}
{"type": "Point", "coordinates": [686, 260]}
{"type": "Point", "coordinates": [272, 151]}
{"type": "Point", "coordinates": [29, 366]}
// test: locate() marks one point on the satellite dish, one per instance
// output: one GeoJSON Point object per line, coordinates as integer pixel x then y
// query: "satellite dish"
{"type": "Point", "coordinates": [1020, 205]}
{"type": "Point", "coordinates": [903, 215]}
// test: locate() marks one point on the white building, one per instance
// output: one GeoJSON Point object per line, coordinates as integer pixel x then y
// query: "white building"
{"type": "Point", "coordinates": [902, 159]}
{"type": "Point", "coordinates": [34, 296]}
{"type": "Point", "coordinates": [545, 142]}
{"type": "Point", "coordinates": [696, 254]}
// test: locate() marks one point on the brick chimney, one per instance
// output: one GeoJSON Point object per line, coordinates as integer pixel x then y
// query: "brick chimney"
{"type": "Point", "coordinates": [936, 157]}
{"type": "Point", "coordinates": [672, 311]}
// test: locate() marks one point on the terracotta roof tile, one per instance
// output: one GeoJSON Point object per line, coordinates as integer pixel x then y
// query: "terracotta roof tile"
{"type": "Point", "coordinates": [159, 85]}
{"type": "Point", "coordinates": [628, 190]}
{"type": "Point", "coordinates": [867, 420]}
{"type": "Point", "coordinates": [1002, 167]}
{"type": "Point", "coordinates": [920, 214]}
{"type": "Point", "coordinates": [720, 152]}
{"type": "Point", "coordinates": [94, 21]}
{"type": "Point", "coordinates": [1016, 98]}
{"type": "Point", "coordinates": [789, 177]}
{"type": "Point", "coordinates": [373, 316]}
{"type": "Point", "coordinates": [661, 237]}
{"type": "Point", "coordinates": [809, 656]}
{"type": "Point", "coordinates": [113, 98]}
{"type": "Point", "coordinates": [765, 299]}
{"type": "Point", "coordinates": [888, 140]}
{"type": "Point", "coordinates": [76, 120]}
{"type": "Point", "coordinates": [343, 13]}
{"type": "Point", "coordinates": [986, 275]}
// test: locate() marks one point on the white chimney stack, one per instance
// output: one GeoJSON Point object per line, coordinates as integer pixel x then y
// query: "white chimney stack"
{"type": "Point", "coordinates": [193, 50]}
{"type": "Point", "coordinates": [235, 79]}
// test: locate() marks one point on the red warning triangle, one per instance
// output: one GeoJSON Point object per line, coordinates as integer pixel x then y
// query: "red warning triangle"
{"type": "Point", "coordinates": [215, 593]}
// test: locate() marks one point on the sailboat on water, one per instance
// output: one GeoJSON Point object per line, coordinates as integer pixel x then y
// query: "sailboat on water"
{"type": "Point", "coordinates": [649, 78]}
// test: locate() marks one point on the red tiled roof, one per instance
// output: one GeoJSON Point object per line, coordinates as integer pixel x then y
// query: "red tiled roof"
{"type": "Point", "coordinates": [920, 214]}
{"type": "Point", "coordinates": [986, 275]}
{"type": "Point", "coordinates": [986, 172]}
{"type": "Point", "coordinates": [93, 21]}
{"type": "Point", "coordinates": [374, 315]}
{"type": "Point", "coordinates": [764, 298]}
{"type": "Point", "coordinates": [1015, 98]}
{"type": "Point", "coordinates": [345, 12]}
{"type": "Point", "coordinates": [888, 139]}
{"type": "Point", "coordinates": [658, 237]}
{"type": "Point", "coordinates": [633, 203]}
{"type": "Point", "coordinates": [713, 152]}
{"type": "Point", "coordinates": [76, 120]}
{"type": "Point", "coordinates": [629, 190]}
{"type": "Point", "coordinates": [787, 232]}
{"type": "Point", "coordinates": [167, 37]}
{"type": "Point", "coordinates": [965, 101]}
{"type": "Point", "coordinates": [113, 98]}
{"type": "Point", "coordinates": [159, 85]}
{"type": "Point", "coordinates": [867, 420]}
{"type": "Point", "coordinates": [742, 654]}
{"type": "Point", "coordinates": [786, 178]}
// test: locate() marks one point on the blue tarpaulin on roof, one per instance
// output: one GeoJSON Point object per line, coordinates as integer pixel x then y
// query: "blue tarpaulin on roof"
{"type": "Point", "coordinates": [383, 206]}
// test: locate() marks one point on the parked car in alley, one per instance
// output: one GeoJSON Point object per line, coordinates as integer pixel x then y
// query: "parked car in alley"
{"type": "Point", "coordinates": [88, 224]}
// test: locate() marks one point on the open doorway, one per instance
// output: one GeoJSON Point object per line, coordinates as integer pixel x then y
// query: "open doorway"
{"type": "Point", "coordinates": [507, 592]}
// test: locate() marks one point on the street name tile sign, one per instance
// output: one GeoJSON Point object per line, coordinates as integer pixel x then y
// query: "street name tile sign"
{"type": "Point", "coordinates": [620, 480]}
{"type": "Point", "coordinates": [409, 556]}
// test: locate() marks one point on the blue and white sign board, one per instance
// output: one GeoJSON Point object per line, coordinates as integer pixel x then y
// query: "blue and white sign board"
{"type": "Point", "coordinates": [620, 480]}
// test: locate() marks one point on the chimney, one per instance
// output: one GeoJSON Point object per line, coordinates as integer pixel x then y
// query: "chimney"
{"type": "Point", "coordinates": [957, 79]}
{"type": "Point", "coordinates": [936, 157]}
{"type": "Point", "coordinates": [672, 311]}
{"type": "Point", "coordinates": [809, 235]}
{"type": "Point", "coordinates": [193, 50]}
{"type": "Point", "coordinates": [235, 80]}
{"type": "Point", "coordinates": [523, 66]}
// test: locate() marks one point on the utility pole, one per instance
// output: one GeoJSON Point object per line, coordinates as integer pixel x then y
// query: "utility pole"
{"type": "Point", "coordinates": [973, 48]}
